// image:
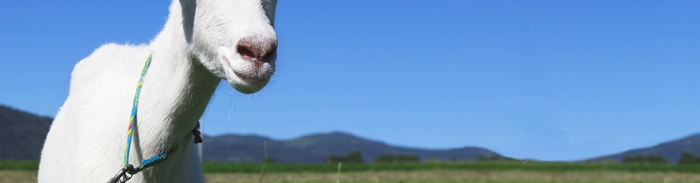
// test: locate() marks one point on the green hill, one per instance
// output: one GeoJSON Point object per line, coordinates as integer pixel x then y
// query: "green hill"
{"type": "Point", "coordinates": [315, 148]}
{"type": "Point", "coordinates": [670, 150]}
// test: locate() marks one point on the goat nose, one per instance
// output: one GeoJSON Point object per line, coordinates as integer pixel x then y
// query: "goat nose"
{"type": "Point", "coordinates": [256, 50]}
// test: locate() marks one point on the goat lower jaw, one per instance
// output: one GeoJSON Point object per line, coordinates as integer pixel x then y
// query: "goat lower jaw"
{"type": "Point", "coordinates": [248, 85]}
{"type": "Point", "coordinates": [252, 80]}
{"type": "Point", "coordinates": [244, 83]}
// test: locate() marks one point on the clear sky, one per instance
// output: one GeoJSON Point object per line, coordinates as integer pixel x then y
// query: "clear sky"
{"type": "Point", "coordinates": [550, 80]}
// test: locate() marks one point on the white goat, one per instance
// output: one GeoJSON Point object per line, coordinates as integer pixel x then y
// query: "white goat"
{"type": "Point", "coordinates": [202, 42]}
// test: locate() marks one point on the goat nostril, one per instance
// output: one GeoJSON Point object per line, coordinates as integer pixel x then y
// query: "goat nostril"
{"type": "Point", "coordinates": [269, 55]}
{"type": "Point", "coordinates": [245, 52]}
{"type": "Point", "coordinates": [257, 50]}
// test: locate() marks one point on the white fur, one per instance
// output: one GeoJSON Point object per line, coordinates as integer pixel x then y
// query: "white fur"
{"type": "Point", "coordinates": [193, 52]}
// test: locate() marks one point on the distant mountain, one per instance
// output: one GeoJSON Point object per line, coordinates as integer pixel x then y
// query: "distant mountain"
{"type": "Point", "coordinates": [22, 134]}
{"type": "Point", "coordinates": [670, 150]}
{"type": "Point", "coordinates": [315, 148]}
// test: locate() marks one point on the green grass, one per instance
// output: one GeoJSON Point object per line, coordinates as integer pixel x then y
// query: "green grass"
{"type": "Point", "coordinates": [19, 165]}
{"type": "Point", "coordinates": [427, 172]}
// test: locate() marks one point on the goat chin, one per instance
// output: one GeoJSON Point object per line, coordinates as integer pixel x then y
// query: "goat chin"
{"type": "Point", "coordinates": [202, 42]}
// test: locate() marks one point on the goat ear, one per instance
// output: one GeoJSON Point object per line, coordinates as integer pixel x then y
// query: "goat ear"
{"type": "Point", "coordinates": [188, 8]}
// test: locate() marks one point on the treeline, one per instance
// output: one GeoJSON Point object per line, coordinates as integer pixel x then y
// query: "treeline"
{"type": "Point", "coordinates": [686, 158]}
{"type": "Point", "coordinates": [400, 158]}
{"type": "Point", "coordinates": [355, 157]}
{"type": "Point", "coordinates": [642, 159]}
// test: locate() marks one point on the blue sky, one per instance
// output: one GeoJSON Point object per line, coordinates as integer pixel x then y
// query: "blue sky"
{"type": "Point", "coordinates": [550, 80]}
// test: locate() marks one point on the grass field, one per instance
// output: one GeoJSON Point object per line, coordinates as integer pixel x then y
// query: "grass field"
{"type": "Point", "coordinates": [445, 176]}
{"type": "Point", "coordinates": [491, 172]}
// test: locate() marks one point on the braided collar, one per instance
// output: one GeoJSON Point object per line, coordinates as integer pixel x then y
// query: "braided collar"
{"type": "Point", "coordinates": [122, 176]}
